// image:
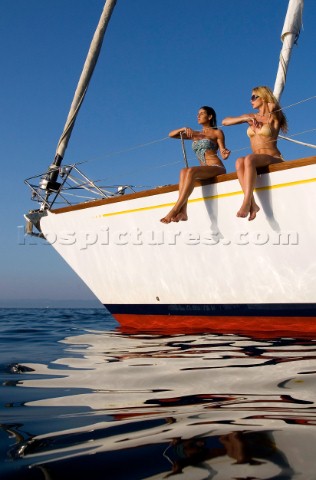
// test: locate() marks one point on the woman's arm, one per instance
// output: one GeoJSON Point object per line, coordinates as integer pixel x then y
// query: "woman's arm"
{"type": "Point", "coordinates": [246, 118]}
{"type": "Point", "coordinates": [176, 133]}
{"type": "Point", "coordinates": [221, 144]}
{"type": "Point", "coordinates": [187, 133]}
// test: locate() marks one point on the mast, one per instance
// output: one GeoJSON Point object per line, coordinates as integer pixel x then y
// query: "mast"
{"type": "Point", "coordinates": [289, 36]}
{"type": "Point", "coordinates": [48, 183]}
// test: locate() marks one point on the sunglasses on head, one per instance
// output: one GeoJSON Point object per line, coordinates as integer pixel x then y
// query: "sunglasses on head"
{"type": "Point", "coordinates": [254, 97]}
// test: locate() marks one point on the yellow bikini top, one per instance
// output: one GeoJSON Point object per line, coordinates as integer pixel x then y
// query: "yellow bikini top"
{"type": "Point", "coordinates": [264, 131]}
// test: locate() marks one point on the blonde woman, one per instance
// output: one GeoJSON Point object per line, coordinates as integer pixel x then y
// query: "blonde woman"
{"type": "Point", "coordinates": [263, 131]}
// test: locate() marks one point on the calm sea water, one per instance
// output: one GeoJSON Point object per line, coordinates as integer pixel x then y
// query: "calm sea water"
{"type": "Point", "coordinates": [82, 400]}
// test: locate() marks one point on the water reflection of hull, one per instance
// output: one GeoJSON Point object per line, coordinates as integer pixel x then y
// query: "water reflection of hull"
{"type": "Point", "coordinates": [158, 448]}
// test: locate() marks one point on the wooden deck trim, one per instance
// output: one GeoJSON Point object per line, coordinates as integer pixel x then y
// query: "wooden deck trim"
{"type": "Point", "coordinates": [302, 162]}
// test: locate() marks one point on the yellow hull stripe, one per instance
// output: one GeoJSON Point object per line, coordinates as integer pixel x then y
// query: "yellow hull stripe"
{"type": "Point", "coordinates": [211, 197]}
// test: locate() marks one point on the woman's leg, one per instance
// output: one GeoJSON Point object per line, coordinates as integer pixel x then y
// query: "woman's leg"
{"type": "Point", "coordinates": [182, 214]}
{"type": "Point", "coordinates": [247, 177]}
{"type": "Point", "coordinates": [240, 169]}
{"type": "Point", "coordinates": [188, 176]}
{"type": "Point", "coordinates": [174, 212]}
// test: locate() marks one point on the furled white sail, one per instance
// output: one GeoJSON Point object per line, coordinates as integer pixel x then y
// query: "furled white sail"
{"type": "Point", "coordinates": [289, 36]}
{"type": "Point", "coordinates": [86, 75]}
{"type": "Point", "coordinates": [49, 180]}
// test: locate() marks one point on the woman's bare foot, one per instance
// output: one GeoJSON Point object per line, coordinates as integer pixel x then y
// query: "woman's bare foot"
{"type": "Point", "coordinates": [166, 219]}
{"type": "Point", "coordinates": [181, 217]}
{"type": "Point", "coordinates": [244, 210]}
{"type": "Point", "coordinates": [254, 209]}
{"type": "Point", "coordinates": [169, 217]}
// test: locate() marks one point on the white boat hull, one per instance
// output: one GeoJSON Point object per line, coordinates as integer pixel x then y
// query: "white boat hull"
{"type": "Point", "coordinates": [213, 265]}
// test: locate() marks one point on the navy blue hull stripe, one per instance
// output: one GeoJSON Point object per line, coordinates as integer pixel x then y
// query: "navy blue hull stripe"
{"type": "Point", "coordinates": [209, 310]}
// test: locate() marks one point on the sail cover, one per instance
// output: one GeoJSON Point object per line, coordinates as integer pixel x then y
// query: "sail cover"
{"type": "Point", "coordinates": [86, 75]}
{"type": "Point", "coordinates": [289, 36]}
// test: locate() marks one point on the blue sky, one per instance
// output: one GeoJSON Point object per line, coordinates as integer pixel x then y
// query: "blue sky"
{"type": "Point", "coordinates": [161, 61]}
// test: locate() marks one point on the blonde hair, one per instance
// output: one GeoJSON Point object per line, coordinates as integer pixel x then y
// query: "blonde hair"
{"type": "Point", "coordinates": [267, 96]}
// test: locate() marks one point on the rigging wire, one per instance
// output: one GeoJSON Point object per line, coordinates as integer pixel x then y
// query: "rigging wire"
{"type": "Point", "coordinates": [297, 141]}
{"type": "Point", "coordinates": [282, 137]}
{"type": "Point", "coordinates": [222, 127]}
{"type": "Point", "coordinates": [91, 186]}
{"type": "Point", "coordinates": [142, 145]}
{"type": "Point", "coordinates": [304, 131]}
{"type": "Point", "coordinates": [136, 147]}
{"type": "Point", "coordinates": [297, 103]}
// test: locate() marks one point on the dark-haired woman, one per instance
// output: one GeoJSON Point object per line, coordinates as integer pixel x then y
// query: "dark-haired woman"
{"type": "Point", "coordinates": [263, 132]}
{"type": "Point", "coordinates": [205, 144]}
